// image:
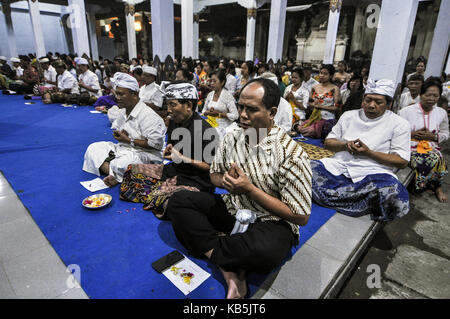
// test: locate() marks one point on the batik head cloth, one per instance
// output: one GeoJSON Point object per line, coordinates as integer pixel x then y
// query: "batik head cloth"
{"type": "Point", "coordinates": [382, 86]}
{"type": "Point", "coordinates": [181, 91]}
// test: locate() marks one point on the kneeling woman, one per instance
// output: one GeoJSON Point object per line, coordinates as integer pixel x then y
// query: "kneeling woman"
{"type": "Point", "coordinates": [153, 184]}
{"type": "Point", "coordinates": [429, 128]}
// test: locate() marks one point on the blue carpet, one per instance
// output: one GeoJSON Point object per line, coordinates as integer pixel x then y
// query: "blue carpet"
{"type": "Point", "coordinates": [41, 155]}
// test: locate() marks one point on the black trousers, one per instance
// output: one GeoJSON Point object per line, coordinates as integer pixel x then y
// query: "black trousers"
{"type": "Point", "coordinates": [199, 217]}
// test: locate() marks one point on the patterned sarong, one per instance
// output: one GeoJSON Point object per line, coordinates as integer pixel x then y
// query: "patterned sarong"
{"type": "Point", "coordinates": [430, 169]}
{"type": "Point", "coordinates": [380, 195]}
{"type": "Point", "coordinates": [143, 183]}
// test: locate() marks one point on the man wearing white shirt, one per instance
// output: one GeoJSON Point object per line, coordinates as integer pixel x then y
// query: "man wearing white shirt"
{"type": "Point", "coordinates": [66, 86]}
{"type": "Point", "coordinates": [90, 89]}
{"type": "Point", "coordinates": [412, 96]}
{"type": "Point", "coordinates": [369, 144]}
{"type": "Point", "coordinates": [16, 67]}
{"type": "Point", "coordinates": [138, 130]}
{"type": "Point", "coordinates": [49, 71]}
{"type": "Point", "coordinates": [308, 80]}
{"type": "Point", "coordinates": [150, 93]}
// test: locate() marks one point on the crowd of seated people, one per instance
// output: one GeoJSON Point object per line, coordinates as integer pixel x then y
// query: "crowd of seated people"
{"type": "Point", "coordinates": [223, 123]}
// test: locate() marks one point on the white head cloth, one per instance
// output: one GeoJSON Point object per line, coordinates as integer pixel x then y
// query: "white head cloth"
{"type": "Point", "coordinates": [270, 76]}
{"type": "Point", "coordinates": [126, 81]}
{"type": "Point", "coordinates": [15, 60]}
{"type": "Point", "coordinates": [382, 86]}
{"type": "Point", "coordinates": [81, 61]}
{"type": "Point", "coordinates": [181, 91]}
{"type": "Point", "coordinates": [150, 70]}
{"type": "Point", "coordinates": [3, 58]}
{"type": "Point", "coordinates": [44, 60]}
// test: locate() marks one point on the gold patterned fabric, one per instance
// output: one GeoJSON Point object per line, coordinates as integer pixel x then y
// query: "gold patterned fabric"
{"type": "Point", "coordinates": [315, 152]}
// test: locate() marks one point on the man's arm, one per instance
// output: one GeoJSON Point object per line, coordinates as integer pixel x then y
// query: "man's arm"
{"type": "Point", "coordinates": [242, 185]}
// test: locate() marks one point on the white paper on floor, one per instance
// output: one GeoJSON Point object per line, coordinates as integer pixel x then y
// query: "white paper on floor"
{"type": "Point", "coordinates": [94, 185]}
{"type": "Point", "coordinates": [186, 275]}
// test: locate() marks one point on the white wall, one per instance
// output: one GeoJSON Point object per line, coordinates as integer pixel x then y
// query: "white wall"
{"type": "Point", "coordinates": [54, 37]}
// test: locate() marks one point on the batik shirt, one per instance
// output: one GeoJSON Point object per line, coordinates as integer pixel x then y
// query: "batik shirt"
{"type": "Point", "coordinates": [277, 165]}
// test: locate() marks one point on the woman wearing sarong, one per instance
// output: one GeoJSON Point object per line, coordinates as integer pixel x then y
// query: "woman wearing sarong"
{"type": "Point", "coordinates": [369, 143]}
{"type": "Point", "coordinates": [325, 98]}
{"type": "Point", "coordinates": [429, 128]}
{"type": "Point", "coordinates": [153, 184]}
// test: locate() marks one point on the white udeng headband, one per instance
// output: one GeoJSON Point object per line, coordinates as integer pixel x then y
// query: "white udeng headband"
{"type": "Point", "coordinates": [124, 80]}
{"type": "Point", "coordinates": [181, 91]}
{"type": "Point", "coordinates": [382, 86]}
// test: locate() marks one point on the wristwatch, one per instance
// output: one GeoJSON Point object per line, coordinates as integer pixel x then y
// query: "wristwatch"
{"type": "Point", "coordinates": [132, 142]}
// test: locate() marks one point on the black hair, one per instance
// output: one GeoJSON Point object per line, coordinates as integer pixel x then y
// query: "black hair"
{"type": "Point", "coordinates": [416, 77]}
{"type": "Point", "coordinates": [272, 94]}
{"type": "Point", "coordinates": [429, 82]}
{"type": "Point", "coordinates": [221, 75]}
{"type": "Point", "coordinates": [299, 72]}
{"type": "Point", "coordinates": [225, 63]}
{"type": "Point", "coordinates": [186, 74]}
{"type": "Point", "coordinates": [329, 67]}
{"type": "Point", "coordinates": [250, 66]}
{"type": "Point", "coordinates": [356, 76]}
{"type": "Point", "coordinates": [189, 62]}
{"type": "Point", "coordinates": [137, 71]}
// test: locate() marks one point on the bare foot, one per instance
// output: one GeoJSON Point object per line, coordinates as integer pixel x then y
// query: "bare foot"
{"type": "Point", "coordinates": [110, 181]}
{"type": "Point", "coordinates": [440, 195]}
{"type": "Point", "coordinates": [237, 287]}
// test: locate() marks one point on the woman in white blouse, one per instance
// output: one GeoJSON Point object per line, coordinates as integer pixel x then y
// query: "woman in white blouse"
{"type": "Point", "coordinates": [220, 106]}
{"type": "Point", "coordinates": [429, 128]}
{"type": "Point", "coordinates": [297, 96]}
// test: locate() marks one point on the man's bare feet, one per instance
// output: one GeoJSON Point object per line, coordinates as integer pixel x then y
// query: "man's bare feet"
{"type": "Point", "coordinates": [440, 195]}
{"type": "Point", "coordinates": [237, 287]}
{"type": "Point", "coordinates": [110, 181]}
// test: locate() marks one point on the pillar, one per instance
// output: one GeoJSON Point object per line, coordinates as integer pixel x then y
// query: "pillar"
{"type": "Point", "coordinates": [358, 29]}
{"type": "Point", "coordinates": [162, 28]}
{"type": "Point", "coordinates": [332, 28]}
{"type": "Point", "coordinates": [195, 36]}
{"type": "Point", "coordinates": [78, 26]}
{"type": "Point", "coordinates": [250, 38]}
{"type": "Point", "coordinates": [187, 28]}
{"type": "Point", "coordinates": [440, 43]}
{"type": "Point", "coordinates": [93, 36]}
{"type": "Point", "coordinates": [6, 8]}
{"type": "Point", "coordinates": [394, 32]}
{"type": "Point", "coordinates": [39, 43]}
{"type": "Point", "coordinates": [276, 30]}
{"type": "Point", "coordinates": [131, 32]}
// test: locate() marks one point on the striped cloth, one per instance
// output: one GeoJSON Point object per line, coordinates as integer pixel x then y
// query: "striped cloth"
{"type": "Point", "coordinates": [277, 165]}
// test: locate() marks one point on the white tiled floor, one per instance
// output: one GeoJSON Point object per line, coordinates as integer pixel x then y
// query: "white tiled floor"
{"type": "Point", "coordinates": [29, 266]}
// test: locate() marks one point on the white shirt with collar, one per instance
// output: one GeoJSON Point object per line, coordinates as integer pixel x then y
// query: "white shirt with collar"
{"type": "Point", "coordinates": [141, 124]}
{"type": "Point", "coordinates": [388, 134]}
{"type": "Point", "coordinates": [151, 93]}
{"type": "Point", "coordinates": [308, 85]}
{"type": "Point", "coordinates": [407, 100]}
{"type": "Point", "coordinates": [67, 81]}
{"type": "Point", "coordinates": [50, 74]}
{"type": "Point", "coordinates": [90, 79]}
